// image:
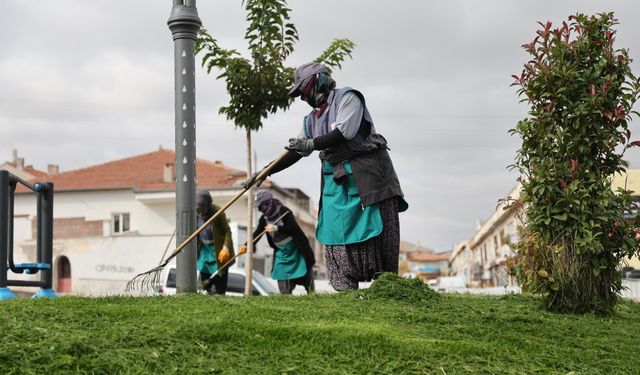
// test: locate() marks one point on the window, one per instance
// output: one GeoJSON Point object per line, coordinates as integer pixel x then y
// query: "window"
{"type": "Point", "coordinates": [120, 223]}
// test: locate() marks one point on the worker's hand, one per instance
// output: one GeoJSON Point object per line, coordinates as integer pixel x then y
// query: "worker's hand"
{"type": "Point", "coordinates": [271, 228]}
{"type": "Point", "coordinates": [300, 144]}
{"type": "Point", "coordinates": [223, 256]}
{"type": "Point", "coordinates": [253, 180]}
{"type": "Point", "coordinates": [242, 250]}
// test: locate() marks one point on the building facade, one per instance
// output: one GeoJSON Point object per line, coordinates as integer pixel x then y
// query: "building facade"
{"type": "Point", "coordinates": [117, 219]}
{"type": "Point", "coordinates": [481, 260]}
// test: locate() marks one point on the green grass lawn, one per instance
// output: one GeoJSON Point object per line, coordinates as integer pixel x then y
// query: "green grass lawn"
{"type": "Point", "coordinates": [395, 327]}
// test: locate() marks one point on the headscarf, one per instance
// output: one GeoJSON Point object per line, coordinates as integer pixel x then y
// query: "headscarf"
{"type": "Point", "coordinates": [268, 205]}
{"type": "Point", "coordinates": [205, 203]}
{"type": "Point", "coordinates": [316, 89]}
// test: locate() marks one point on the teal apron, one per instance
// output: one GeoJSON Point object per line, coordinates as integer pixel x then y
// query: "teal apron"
{"type": "Point", "coordinates": [288, 263]}
{"type": "Point", "coordinates": [343, 219]}
{"type": "Point", "coordinates": [207, 261]}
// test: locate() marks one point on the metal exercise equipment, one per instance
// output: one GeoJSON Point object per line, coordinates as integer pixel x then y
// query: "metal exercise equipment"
{"type": "Point", "coordinates": [44, 238]}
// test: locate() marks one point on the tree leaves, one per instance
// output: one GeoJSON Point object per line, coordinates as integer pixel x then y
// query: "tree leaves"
{"type": "Point", "coordinates": [259, 85]}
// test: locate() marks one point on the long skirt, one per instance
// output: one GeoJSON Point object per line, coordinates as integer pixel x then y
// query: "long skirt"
{"type": "Point", "coordinates": [349, 264]}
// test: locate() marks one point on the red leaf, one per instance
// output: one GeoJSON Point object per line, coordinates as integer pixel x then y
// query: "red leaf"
{"type": "Point", "coordinates": [574, 166]}
{"type": "Point", "coordinates": [634, 143]}
{"type": "Point", "coordinates": [609, 34]}
{"type": "Point", "coordinates": [592, 89]}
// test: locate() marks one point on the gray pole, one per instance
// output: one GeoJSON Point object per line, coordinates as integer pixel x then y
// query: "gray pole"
{"type": "Point", "coordinates": [45, 231]}
{"type": "Point", "coordinates": [184, 24]}
{"type": "Point", "coordinates": [4, 229]}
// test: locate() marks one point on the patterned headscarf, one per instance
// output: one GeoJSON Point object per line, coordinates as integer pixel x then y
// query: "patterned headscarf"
{"type": "Point", "coordinates": [316, 89]}
{"type": "Point", "coordinates": [268, 205]}
{"type": "Point", "coordinates": [205, 203]}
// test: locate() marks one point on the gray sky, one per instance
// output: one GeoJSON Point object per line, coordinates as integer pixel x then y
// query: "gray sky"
{"type": "Point", "coordinates": [85, 82]}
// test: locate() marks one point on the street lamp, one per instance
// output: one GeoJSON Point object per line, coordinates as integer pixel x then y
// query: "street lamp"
{"type": "Point", "coordinates": [184, 24]}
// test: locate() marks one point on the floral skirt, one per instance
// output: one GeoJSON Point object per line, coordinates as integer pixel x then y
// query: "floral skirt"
{"type": "Point", "coordinates": [349, 264]}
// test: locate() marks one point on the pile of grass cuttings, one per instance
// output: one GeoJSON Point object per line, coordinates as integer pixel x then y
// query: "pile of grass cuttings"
{"type": "Point", "coordinates": [390, 286]}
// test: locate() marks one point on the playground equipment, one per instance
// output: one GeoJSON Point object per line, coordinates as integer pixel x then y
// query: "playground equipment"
{"type": "Point", "coordinates": [44, 238]}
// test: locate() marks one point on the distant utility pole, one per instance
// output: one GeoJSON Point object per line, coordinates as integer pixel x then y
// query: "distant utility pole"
{"type": "Point", "coordinates": [184, 24]}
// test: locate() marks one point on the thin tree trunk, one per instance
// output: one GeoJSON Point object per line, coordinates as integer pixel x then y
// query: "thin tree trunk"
{"type": "Point", "coordinates": [249, 264]}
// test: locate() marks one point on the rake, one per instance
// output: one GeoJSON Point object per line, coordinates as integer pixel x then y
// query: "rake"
{"type": "Point", "coordinates": [206, 283]}
{"type": "Point", "coordinates": [149, 279]}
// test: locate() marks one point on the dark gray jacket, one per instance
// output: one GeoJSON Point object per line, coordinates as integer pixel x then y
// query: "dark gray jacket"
{"type": "Point", "coordinates": [367, 153]}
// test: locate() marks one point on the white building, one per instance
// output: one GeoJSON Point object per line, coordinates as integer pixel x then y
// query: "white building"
{"type": "Point", "coordinates": [481, 260]}
{"type": "Point", "coordinates": [115, 220]}
{"type": "Point", "coordinates": [461, 262]}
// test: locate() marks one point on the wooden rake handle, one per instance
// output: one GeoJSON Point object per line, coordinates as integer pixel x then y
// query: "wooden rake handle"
{"type": "Point", "coordinates": [262, 175]}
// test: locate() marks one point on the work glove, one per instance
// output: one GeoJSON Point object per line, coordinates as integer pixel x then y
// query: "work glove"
{"type": "Point", "coordinates": [223, 256]}
{"type": "Point", "coordinates": [242, 250]}
{"type": "Point", "coordinates": [249, 182]}
{"type": "Point", "coordinates": [271, 228]}
{"type": "Point", "coordinates": [300, 144]}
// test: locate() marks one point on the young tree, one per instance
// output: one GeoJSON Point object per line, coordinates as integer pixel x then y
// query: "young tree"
{"type": "Point", "coordinates": [259, 85]}
{"type": "Point", "coordinates": [581, 91]}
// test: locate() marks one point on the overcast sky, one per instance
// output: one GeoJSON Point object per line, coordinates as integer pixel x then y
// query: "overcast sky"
{"type": "Point", "coordinates": [86, 82]}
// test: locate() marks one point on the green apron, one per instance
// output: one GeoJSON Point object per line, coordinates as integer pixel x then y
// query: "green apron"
{"type": "Point", "coordinates": [343, 219]}
{"type": "Point", "coordinates": [288, 263]}
{"type": "Point", "coordinates": [207, 261]}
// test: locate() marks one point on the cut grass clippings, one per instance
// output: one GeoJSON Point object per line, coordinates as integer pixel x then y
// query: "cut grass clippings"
{"type": "Point", "coordinates": [396, 326]}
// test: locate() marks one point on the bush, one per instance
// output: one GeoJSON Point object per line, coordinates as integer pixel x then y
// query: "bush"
{"type": "Point", "coordinates": [581, 92]}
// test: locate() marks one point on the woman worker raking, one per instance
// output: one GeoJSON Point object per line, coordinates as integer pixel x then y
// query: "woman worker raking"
{"type": "Point", "coordinates": [361, 196]}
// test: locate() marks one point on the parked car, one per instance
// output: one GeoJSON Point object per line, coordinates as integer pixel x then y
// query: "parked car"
{"type": "Point", "coordinates": [630, 273]}
{"type": "Point", "coordinates": [235, 284]}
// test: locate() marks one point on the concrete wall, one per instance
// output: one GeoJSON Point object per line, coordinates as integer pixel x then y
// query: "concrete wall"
{"type": "Point", "coordinates": [632, 289]}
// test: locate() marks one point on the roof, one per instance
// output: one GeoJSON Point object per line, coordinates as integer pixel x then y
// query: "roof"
{"type": "Point", "coordinates": [407, 247]}
{"type": "Point", "coordinates": [423, 256]}
{"type": "Point", "coordinates": [144, 173]}
{"type": "Point", "coordinates": [28, 172]}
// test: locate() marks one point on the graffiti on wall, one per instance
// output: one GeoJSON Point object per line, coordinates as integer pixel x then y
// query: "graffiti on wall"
{"type": "Point", "coordinates": [113, 268]}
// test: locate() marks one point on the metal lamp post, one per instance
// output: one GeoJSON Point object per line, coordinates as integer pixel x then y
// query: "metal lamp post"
{"type": "Point", "coordinates": [184, 24]}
